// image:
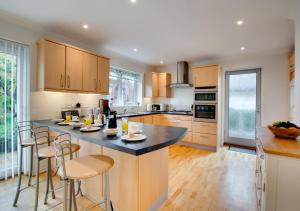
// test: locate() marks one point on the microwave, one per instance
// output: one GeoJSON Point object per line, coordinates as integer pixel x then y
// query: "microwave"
{"type": "Point", "coordinates": [205, 96]}
{"type": "Point", "coordinates": [205, 112]}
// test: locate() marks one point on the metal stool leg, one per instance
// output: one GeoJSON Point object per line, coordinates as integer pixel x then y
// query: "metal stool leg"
{"type": "Point", "coordinates": [74, 196]}
{"type": "Point", "coordinates": [37, 184]}
{"type": "Point", "coordinates": [47, 183]}
{"type": "Point", "coordinates": [31, 165]}
{"type": "Point", "coordinates": [70, 195]}
{"type": "Point", "coordinates": [107, 192]}
{"type": "Point", "coordinates": [65, 203]}
{"type": "Point", "coordinates": [20, 178]}
{"type": "Point", "coordinates": [51, 180]}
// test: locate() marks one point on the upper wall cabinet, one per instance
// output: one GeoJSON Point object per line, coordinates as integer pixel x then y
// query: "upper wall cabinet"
{"type": "Point", "coordinates": [52, 62]}
{"type": "Point", "coordinates": [74, 66]}
{"type": "Point", "coordinates": [62, 67]}
{"type": "Point", "coordinates": [206, 76]}
{"type": "Point", "coordinates": [161, 84]}
{"type": "Point", "coordinates": [90, 72]}
{"type": "Point", "coordinates": [103, 75]}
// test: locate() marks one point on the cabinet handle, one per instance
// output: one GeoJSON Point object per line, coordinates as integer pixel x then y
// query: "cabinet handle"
{"type": "Point", "coordinates": [68, 81]}
{"type": "Point", "coordinates": [61, 77]}
{"type": "Point", "coordinates": [95, 84]}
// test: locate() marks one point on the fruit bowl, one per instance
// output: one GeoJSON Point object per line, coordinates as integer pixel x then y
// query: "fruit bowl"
{"type": "Point", "coordinates": [285, 132]}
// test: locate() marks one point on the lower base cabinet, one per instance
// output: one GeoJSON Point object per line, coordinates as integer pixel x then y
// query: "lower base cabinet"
{"type": "Point", "coordinates": [200, 133]}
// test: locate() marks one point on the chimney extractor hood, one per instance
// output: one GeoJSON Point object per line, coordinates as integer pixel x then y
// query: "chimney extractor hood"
{"type": "Point", "coordinates": [182, 75]}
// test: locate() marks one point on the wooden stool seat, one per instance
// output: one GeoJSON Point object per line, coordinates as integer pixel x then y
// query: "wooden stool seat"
{"type": "Point", "coordinates": [49, 151]}
{"type": "Point", "coordinates": [87, 167]}
{"type": "Point", "coordinates": [30, 141]}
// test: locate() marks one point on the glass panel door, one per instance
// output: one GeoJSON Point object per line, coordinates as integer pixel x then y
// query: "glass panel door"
{"type": "Point", "coordinates": [242, 107]}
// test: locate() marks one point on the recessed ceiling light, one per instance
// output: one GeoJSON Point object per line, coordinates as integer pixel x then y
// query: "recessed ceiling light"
{"type": "Point", "coordinates": [135, 50]}
{"type": "Point", "coordinates": [161, 62]}
{"type": "Point", "coordinates": [239, 22]}
{"type": "Point", "coordinates": [133, 1]}
{"type": "Point", "coordinates": [243, 48]}
{"type": "Point", "coordinates": [85, 26]}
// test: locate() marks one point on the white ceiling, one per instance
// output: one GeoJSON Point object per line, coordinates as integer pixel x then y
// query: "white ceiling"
{"type": "Point", "coordinates": [171, 30]}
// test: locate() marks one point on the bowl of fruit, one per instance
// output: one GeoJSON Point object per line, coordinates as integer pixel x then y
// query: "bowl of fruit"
{"type": "Point", "coordinates": [285, 129]}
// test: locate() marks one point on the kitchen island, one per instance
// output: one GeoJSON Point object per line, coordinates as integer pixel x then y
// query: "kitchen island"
{"type": "Point", "coordinates": [139, 178]}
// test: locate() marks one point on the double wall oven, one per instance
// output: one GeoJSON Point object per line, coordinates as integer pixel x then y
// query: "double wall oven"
{"type": "Point", "coordinates": [205, 104]}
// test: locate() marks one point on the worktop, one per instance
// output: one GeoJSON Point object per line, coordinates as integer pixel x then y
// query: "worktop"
{"type": "Point", "coordinates": [278, 146]}
{"type": "Point", "coordinates": [145, 113]}
{"type": "Point", "coordinates": [157, 137]}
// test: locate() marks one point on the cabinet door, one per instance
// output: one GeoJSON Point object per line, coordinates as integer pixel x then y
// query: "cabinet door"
{"type": "Point", "coordinates": [205, 128]}
{"type": "Point", "coordinates": [154, 84]}
{"type": "Point", "coordinates": [148, 119]}
{"type": "Point", "coordinates": [54, 64]}
{"type": "Point", "coordinates": [74, 69]}
{"type": "Point", "coordinates": [103, 75]}
{"type": "Point", "coordinates": [205, 139]}
{"type": "Point", "coordinates": [89, 76]}
{"type": "Point", "coordinates": [164, 81]}
{"type": "Point", "coordinates": [206, 76]}
{"type": "Point", "coordinates": [135, 119]}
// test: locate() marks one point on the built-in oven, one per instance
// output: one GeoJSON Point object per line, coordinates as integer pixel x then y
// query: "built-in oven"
{"type": "Point", "coordinates": [205, 95]}
{"type": "Point", "coordinates": [205, 112]}
{"type": "Point", "coordinates": [205, 104]}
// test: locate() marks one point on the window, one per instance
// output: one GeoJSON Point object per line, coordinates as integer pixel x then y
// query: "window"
{"type": "Point", "coordinates": [125, 87]}
{"type": "Point", "coordinates": [14, 102]}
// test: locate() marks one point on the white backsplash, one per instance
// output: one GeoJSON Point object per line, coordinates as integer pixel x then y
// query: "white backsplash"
{"type": "Point", "coordinates": [48, 105]}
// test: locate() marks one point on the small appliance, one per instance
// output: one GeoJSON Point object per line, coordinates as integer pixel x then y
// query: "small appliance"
{"type": "Point", "coordinates": [159, 107]}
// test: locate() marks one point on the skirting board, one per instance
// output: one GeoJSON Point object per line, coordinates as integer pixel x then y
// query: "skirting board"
{"type": "Point", "coordinates": [197, 146]}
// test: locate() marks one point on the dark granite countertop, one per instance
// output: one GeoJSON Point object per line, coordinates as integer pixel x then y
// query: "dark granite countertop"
{"type": "Point", "coordinates": [155, 112]}
{"type": "Point", "coordinates": [157, 137]}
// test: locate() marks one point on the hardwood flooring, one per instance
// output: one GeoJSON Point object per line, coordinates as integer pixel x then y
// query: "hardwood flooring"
{"type": "Point", "coordinates": [198, 180]}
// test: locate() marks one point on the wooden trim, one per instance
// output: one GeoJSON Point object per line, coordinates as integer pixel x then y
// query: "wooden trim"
{"type": "Point", "coordinates": [209, 65]}
{"type": "Point", "coordinates": [72, 46]}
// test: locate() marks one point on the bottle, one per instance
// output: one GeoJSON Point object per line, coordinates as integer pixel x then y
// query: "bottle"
{"type": "Point", "coordinates": [124, 125]}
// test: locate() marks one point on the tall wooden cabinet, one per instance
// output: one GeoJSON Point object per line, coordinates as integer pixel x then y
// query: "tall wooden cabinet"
{"type": "Point", "coordinates": [62, 67]}
{"type": "Point", "coordinates": [206, 76]}
{"type": "Point", "coordinates": [161, 84]}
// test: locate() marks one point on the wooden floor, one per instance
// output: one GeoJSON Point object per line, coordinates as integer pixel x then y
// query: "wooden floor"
{"type": "Point", "coordinates": [198, 180]}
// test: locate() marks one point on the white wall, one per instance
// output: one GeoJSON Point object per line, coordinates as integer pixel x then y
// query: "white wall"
{"type": "Point", "coordinates": [297, 65]}
{"type": "Point", "coordinates": [275, 84]}
{"type": "Point", "coordinates": [45, 105]}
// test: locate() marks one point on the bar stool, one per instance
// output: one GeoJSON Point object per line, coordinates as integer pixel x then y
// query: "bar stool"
{"type": "Point", "coordinates": [48, 153]}
{"type": "Point", "coordinates": [26, 140]}
{"type": "Point", "coordinates": [80, 168]}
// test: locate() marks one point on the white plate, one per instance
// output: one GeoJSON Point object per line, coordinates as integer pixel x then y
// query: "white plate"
{"type": "Point", "coordinates": [57, 120]}
{"type": "Point", "coordinates": [89, 129]}
{"type": "Point", "coordinates": [97, 125]}
{"type": "Point", "coordinates": [76, 124]}
{"type": "Point", "coordinates": [75, 120]}
{"type": "Point", "coordinates": [63, 123]}
{"type": "Point", "coordinates": [137, 137]}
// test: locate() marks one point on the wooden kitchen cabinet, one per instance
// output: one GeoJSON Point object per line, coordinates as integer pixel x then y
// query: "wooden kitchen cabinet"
{"type": "Point", "coordinates": [205, 139]}
{"type": "Point", "coordinates": [148, 119]}
{"type": "Point", "coordinates": [62, 67]}
{"type": "Point", "coordinates": [164, 82]}
{"type": "Point", "coordinates": [103, 75]}
{"type": "Point", "coordinates": [90, 72]}
{"type": "Point", "coordinates": [51, 65]}
{"type": "Point", "coordinates": [206, 76]}
{"type": "Point", "coordinates": [205, 127]}
{"type": "Point", "coordinates": [74, 64]}
{"type": "Point", "coordinates": [161, 84]}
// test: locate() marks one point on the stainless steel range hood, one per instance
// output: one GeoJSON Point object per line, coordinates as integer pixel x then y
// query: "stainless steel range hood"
{"type": "Point", "coordinates": [182, 75]}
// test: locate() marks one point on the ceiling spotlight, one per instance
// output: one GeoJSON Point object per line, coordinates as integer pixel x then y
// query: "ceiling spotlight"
{"type": "Point", "coordinates": [239, 22]}
{"type": "Point", "coordinates": [243, 48]}
{"type": "Point", "coordinates": [85, 26]}
{"type": "Point", "coordinates": [133, 1]}
{"type": "Point", "coordinates": [135, 50]}
{"type": "Point", "coordinates": [161, 62]}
